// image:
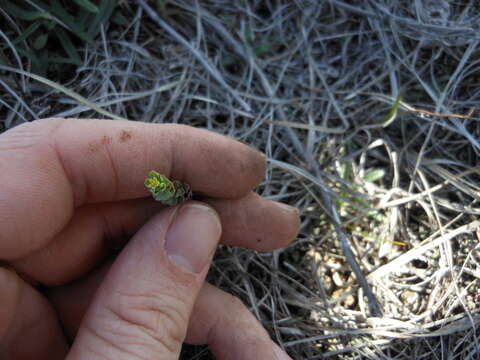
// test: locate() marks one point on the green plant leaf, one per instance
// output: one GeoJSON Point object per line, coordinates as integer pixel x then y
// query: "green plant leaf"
{"type": "Point", "coordinates": [22, 14]}
{"type": "Point", "coordinates": [50, 25]}
{"type": "Point", "coordinates": [87, 5]}
{"type": "Point", "coordinates": [229, 60]}
{"type": "Point", "coordinates": [105, 11]}
{"type": "Point", "coordinates": [40, 41]}
{"type": "Point", "coordinates": [249, 38]}
{"type": "Point", "coordinates": [63, 60]}
{"type": "Point", "coordinates": [68, 46]}
{"type": "Point", "coordinates": [37, 63]}
{"type": "Point", "coordinates": [44, 20]}
{"type": "Point", "coordinates": [74, 26]}
{"type": "Point", "coordinates": [347, 171]}
{"type": "Point", "coordinates": [166, 191]}
{"type": "Point", "coordinates": [374, 175]}
{"type": "Point", "coordinates": [29, 31]}
{"type": "Point", "coordinates": [3, 58]}
{"type": "Point", "coordinates": [119, 19]}
{"type": "Point", "coordinates": [262, 49]}
{"type": "Point", "coordinates": [392, 114]}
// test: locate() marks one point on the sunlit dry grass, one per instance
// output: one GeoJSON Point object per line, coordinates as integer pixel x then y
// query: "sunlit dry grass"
{"type": "Point", "coordinates": [387, 262]}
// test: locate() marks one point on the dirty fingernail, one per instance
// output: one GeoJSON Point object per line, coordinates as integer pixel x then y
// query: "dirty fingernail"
{"type": "Point", "coordinates": [287, 208]}
{"type": "Point", "coordinates": [193, 236]}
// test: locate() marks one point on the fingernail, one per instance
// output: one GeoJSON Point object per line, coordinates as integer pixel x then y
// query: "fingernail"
{"type": "Point", "coordinates": [279, 353]}
{"type": "Point", "coordinates": [287, 208]}
{"type": "Point", "coordinates": [193, 237]}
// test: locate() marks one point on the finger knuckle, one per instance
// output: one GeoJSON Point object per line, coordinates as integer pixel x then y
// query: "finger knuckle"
{"type": "Point", "coordinates": [161, 319]}
{"type": "Point", "coordinates": [30, 135]}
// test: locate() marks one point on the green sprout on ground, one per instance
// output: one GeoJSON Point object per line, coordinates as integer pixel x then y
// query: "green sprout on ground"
{"type": "Point", "coordinates": [49, 33]}
{"type": "Point", "coordinates": [166, 191]}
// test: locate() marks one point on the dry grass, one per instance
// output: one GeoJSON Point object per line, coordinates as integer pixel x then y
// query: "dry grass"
{"type": "Point", "coordinates": [387, 262]}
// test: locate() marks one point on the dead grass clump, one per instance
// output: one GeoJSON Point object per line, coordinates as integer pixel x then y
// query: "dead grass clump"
{"type": "Point", "coordinates": [367, 112]}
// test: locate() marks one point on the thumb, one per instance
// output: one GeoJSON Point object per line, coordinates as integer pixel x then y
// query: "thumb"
{"type": "Point", "coordinates": [142, 308]}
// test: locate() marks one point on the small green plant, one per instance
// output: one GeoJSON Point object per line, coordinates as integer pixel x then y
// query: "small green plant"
{"type": "Point", "coordinates": [166, 191]}
{"type": "Point", "coordinates": [48, 32]}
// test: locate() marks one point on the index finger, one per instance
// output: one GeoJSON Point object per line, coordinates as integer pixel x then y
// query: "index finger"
{"type": "Point", "coordinates": [106, 160]}
{"type": "Point", "coordinates": [49, 167]}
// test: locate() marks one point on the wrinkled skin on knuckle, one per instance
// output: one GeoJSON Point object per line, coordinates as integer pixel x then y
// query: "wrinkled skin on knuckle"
{"type": "Point", "coordinates": [31, 134]}
{"type": "Point", "coordinates": [106, 338]}
{"type": "Point", "coordinates": [155, 322]}
{"type": "Point", "coordinates": [33, 184]}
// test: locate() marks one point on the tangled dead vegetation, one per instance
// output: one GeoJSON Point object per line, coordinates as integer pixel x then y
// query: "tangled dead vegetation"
{"type": "Point", "coordinates": [367, 111]}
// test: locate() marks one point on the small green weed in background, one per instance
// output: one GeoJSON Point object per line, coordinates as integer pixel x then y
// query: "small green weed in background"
{"type": "Point", "coordinates": [48, 33]}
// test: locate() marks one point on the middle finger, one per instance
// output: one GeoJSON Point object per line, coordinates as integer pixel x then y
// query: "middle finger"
{"type": "Point", "coordinates": [97, 230]}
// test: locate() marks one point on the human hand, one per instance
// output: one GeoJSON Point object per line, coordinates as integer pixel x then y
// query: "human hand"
{"type": "Point", "coordinates": [72, 191]}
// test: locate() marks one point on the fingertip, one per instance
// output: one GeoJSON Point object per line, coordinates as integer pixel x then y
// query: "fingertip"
{"type": "Point", "coordinates": [232, 332]}
{"type": "Point", "coordinates": [256, 223]}
{"type": "Point", "coordinates": [289, 220]}
{"type": "Point", "coordinates": [215, 165]}
{"type": "Point", "coordinates": [257, 164]}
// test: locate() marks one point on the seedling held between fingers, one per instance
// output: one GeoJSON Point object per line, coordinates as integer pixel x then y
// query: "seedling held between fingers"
{"type": "Point", "coordinates": [166, 191]}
